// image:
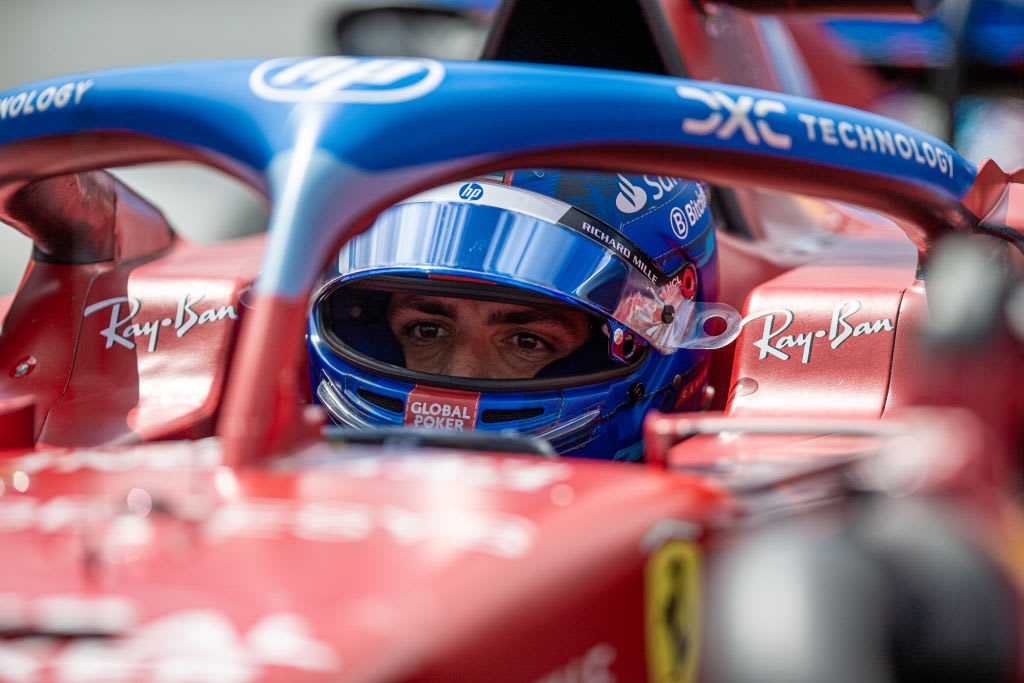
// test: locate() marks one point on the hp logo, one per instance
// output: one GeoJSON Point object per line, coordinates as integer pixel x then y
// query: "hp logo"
{"type": "Point", "coordinates": [471, 192]}
{"type": "Point", "coordinates": [345, 79]}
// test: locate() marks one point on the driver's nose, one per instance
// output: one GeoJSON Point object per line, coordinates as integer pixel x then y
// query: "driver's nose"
{"type": "Point", "coordinates": [468, 358]}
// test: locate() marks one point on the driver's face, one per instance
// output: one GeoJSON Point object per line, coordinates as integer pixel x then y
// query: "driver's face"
{"type": "Point", "coordinates": [466, 338]}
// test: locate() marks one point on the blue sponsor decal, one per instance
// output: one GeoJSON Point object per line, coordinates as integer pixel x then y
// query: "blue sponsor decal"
{"type": "Point", "coordinates": [471, 192]}
{"type": "Point", "coordinates": [393, 125]}
{"type": "Point", "coordinates": [678, 220]}
{"type": "Point", "coordinates": [345, 79]}
{"type": "Point", "coordinates": [831, 133]}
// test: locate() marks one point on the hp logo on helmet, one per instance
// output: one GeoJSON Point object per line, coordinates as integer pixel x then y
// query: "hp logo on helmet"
{"type": "Point", "coordinates": [345, 79]}
{"type": "Point", "coordinates": [471, 192]}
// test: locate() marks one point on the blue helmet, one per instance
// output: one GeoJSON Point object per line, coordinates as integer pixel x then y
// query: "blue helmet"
{"type": "Point", "coordinates": [630, 260]}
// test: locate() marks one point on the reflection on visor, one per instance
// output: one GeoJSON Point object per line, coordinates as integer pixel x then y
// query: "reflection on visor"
{"type": "Point", "coordinates": [362, 317]}
{"type": "Point", "coordinates": [669, 321]}
{"type": "Point", "coordinates": [529, 250]}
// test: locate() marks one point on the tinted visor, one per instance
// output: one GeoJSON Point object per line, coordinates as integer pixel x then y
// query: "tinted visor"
{"type": "Point", "coordinates": [494, 233]}
{"type": "Point", "coordinates": [359, 320]}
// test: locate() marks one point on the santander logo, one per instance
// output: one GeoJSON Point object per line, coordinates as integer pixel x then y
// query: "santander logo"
{"type": "Point", "coordinates": [630, 198]}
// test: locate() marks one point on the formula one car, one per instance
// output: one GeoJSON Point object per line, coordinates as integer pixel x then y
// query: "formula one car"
{"type": "Point", "coordinates": [172, 506]}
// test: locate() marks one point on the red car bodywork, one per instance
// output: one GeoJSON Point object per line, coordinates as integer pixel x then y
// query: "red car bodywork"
{"type": "Point", "coordinates": [164, 524]}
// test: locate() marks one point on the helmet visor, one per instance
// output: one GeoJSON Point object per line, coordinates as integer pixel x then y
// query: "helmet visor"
{"type": "Point", "coordinates": [493, 233]}
{"type": "Point", "coordinates": [464, 329]}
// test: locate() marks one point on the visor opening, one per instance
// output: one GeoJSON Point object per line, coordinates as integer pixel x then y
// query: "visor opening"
{"type": "Point", "coordinates": [352, 319]}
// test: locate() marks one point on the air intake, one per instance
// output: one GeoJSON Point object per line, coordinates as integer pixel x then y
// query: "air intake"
{"type": "Point", "coordinates": [395, 405]}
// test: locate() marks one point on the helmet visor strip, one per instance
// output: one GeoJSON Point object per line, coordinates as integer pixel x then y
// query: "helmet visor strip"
{"type": "Point", "coordinates": [522, 239]}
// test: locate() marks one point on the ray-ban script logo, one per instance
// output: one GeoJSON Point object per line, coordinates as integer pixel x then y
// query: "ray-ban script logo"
{"type": "Point", "coordinates": [842, 327]}
{"type": "Point", "coordinates": [345, 79]}
{"type": "Point", "coordinates": [123, 327]}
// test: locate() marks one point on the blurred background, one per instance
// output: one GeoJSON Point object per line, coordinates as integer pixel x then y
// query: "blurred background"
{"type": "Point", "coordinates": [958, 74]}
{"type": "Point", "coordinates": [46, 38]}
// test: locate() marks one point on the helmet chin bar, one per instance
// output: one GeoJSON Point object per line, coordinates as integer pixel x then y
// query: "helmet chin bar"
{"type": "Point", "coordinates": [343, 413]}
{"type": "Point", "coordinates": [337, 408]}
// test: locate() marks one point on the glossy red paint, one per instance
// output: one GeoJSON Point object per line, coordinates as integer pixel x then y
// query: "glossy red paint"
{"type": "Point", "coordinates": [43, 324]}
{"type": "Point", "coordinates": [271, 553]}
{"type": "Point", "coordinates": [513, 549]}
{"type": "Point", "coordinates": [263, 412]}
{"type": "Point", "coordinates": [730, 43]}
{"type": "Point", "coordinates": [818, 342]}
{"type": "Point", "coordinates": [128, 350]}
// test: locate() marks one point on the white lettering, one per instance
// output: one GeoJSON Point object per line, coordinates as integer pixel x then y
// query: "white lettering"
{"type": "Point", "coordinates": [808, 121]}
{"type": "Point", "coordinates": [764, 343]}
{"type": "Point", "coordinates": [639, 264]}
{"type": "Point", "coordinates": [45, 98]}
{"type": "Point", "coordinates": [903, 146]}
{"type": "Point", "coordinates": [945, 161]}
{"type": "Point", "coordinates": [876, 141]}
{"type": "Point", "coordinates": [607, 239]}
{"type": "Point", "coordinates": [700, 126]}
{"type": "Point", "coordinates": [791, 342]}
{"type": "Point", "coordinates": [17, 104]}
{"type": "Point", "coordinates": [440, 416]}
{"type": "Point", "coordinates": [845, 128]}
{"type": "Point", "coordinates": [739, 110]}
{"type": "Point", "coordinates": [80, 89]}
{"type": "Point", "coordinates": [696, 207]}
{"type": "Point", "coordinates": [432, 422]}
{"type": "Point", "coordinates": [25, 104]}
{"type": "Point", "coordinates": [661, 185]}
{"type": "Point", "coordinates": [778, 321]}
{"type": "Point", "coordinates": [110, 332]}
{"type": "Point", "coordinates": [63, 96]}
{"type": "Point", "coordinates": [884, 138]}
{"type": "Point", "coordinates": [121, 329]}
{"type": "Point", "coordinates": [929, 154]}
{"type": "Point", "coordinates": [866, 138]}
{"type": "Point", "coordinates": [828, 131]}
{"type": "Point", "coordinates": [761, 109]}
{"type": "Point", "coordinates": [738, 117]}
{"type": "Point", "coordinates": [917, 153]}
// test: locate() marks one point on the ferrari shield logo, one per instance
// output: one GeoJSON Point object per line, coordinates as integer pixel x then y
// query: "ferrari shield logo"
{"type": "Point", "coordinates": [672, 612]}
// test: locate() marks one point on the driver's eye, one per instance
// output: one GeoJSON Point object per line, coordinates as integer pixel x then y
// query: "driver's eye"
{"type": "Point", "coordinates": [425, 330]}
{"type": "Point", "coordinates": [529, 342]}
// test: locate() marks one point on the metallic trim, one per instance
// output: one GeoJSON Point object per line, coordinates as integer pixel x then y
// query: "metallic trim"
{"type": "Point", "coordinates": [337, 408]}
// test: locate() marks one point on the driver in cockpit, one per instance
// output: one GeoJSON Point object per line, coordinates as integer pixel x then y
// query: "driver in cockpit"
{"type": "Point", "coordinates": [563, 305]}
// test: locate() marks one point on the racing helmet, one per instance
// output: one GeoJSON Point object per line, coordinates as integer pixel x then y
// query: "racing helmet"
{"type": "Point", "coordinates": [630, 261]}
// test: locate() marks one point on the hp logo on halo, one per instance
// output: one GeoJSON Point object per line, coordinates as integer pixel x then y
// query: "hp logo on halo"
{"type": "Point", "coordinates": [471, 192]}
{"type": "Point", "coordinates": [345, 79]}
{"type": "Point", "coordinates": [679, 225]}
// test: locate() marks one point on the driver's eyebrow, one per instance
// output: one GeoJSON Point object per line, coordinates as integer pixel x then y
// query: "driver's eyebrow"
{"type": "Point", "coordinates": [535, 315]}
{"type": "Point", "coordinates": [427, 306]}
